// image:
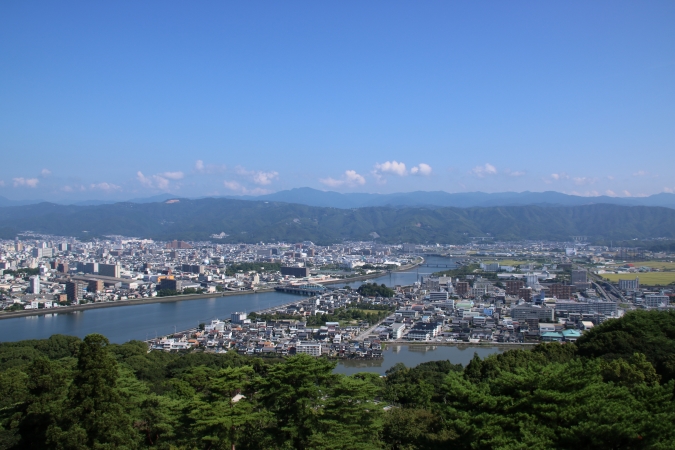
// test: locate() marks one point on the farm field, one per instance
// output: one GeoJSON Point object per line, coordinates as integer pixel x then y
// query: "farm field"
{"type": "Point", "coordinates": [646, 278]}
{"type": "Point", "coordinates": [662, 265]}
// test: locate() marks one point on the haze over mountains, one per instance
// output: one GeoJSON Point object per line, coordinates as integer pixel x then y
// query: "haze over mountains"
{"type": "Point", "coordinates": [270, 221]}
{"type": "Point", "coordinates": [314, 197]}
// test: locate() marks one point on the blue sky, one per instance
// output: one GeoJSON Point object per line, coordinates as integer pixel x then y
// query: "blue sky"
{"type": "Point", "coordinates": [114, 100]}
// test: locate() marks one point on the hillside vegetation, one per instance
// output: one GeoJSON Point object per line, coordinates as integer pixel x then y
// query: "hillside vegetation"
{"type": "Point", "coordinates": [614, 390]}
{"type": "Point", "coordinates": [248, 221]}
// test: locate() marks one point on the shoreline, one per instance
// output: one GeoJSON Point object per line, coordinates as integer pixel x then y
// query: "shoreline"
{"type": "Point", "coordinates": [461, 344]}
{"type": "Point", "coordinates": [172, 298]}
{"type": "Point", "coordinates": [370, 276]}
{"type": "Point", "coordinates": [144, 301]}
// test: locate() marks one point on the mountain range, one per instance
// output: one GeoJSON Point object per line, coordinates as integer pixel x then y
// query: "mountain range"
{"type": "Point", "coordinates": [314, 197]}
{"type": "Point", "coordinates": [269, 221]}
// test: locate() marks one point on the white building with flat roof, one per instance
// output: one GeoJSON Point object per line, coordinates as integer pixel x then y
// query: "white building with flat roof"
{"type": "Point", "coordinates": [656, 300]}
{"type": "Point", "coordinates": [312, 349]}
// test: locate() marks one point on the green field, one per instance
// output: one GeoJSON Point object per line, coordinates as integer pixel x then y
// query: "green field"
{"type": "Point", "coordinates": [663, 265]}
{"type": "Point", "coordinates": [646, 278]}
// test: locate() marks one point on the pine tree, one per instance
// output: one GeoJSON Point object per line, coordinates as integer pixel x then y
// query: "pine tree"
{"type": "Point", "coordinates": [94, 416]}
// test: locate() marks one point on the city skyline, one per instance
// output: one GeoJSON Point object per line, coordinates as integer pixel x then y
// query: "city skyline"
{"type": "Point", "coordinates": [113, 102]}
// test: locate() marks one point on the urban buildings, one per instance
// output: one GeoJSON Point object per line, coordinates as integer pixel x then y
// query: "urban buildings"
{"type": "Point", "coordinates": [74, 291]}
{"type": "Point", "coordinates": [630, 285]}
{"type": "Point", "coordinates": [297, 272]}
{"type": "Point", "coordinates": [35, 284]}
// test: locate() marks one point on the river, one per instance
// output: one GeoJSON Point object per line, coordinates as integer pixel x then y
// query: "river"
{"type": "Point", "coordinates": [145, 321]}
{"type": "Point", "coordinates": [408, 277]}
{"type": "Point", "coordinates": [138, 321]}
{"type": "Point", "coordinates": [414, 354]}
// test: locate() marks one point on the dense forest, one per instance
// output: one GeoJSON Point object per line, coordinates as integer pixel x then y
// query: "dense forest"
{"type": "Point", "coordinates": [255, 221]}
{"type": "Point", "coordinates": [614, 389]}
{"type": "Point", "coordinates": [375, 290]}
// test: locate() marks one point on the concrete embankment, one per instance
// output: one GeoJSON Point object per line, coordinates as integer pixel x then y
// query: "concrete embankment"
{"type": "Point", "coordinates": [371, 276]}
{"type": "Point", "coordinates": [508, 345]}
{"type": "Point", "coordinates": [143, 301]}
{"type": "Point", "coordinates": [173, 298]}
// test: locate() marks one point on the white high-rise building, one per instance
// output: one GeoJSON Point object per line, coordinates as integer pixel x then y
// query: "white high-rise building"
{"type": "Point", "coordinates": [238, 317]}
{"type": "Point", "coordinates": [532, 279]}
{"type": "Point", "coordinates": [629, 285]}
{"type": "Point", "coordinates": [35, 284]}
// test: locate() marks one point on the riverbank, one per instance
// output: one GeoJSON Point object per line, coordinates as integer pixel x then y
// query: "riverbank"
{"type": "Point", "coordinates": [461, 344]}
{"type": "Point", "coordinates": [173, 298]}
{"type": "Point", "coordinates": [371, 275]}
{"type": "Point", "coordinates": [140, 301]}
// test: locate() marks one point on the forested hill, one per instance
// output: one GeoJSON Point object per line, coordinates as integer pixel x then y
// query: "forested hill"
{"type": "Point", "coordinates": [612, 390]}
{"type": "Point", "coordinates": [248, 221]}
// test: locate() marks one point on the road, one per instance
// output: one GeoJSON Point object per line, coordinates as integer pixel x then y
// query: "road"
{"type": "Point", "coordinates": [364, 334]}
{"type": "Point", "coordinates": [615, 295]}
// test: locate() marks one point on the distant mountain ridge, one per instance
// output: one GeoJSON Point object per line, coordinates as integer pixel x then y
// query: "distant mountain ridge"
{"type": "Point", "coordinates": [270, 221]}
{"type": "Point", "coordinates": [156, 198]}
{"type": "Point", "coordinates": [314, 197]}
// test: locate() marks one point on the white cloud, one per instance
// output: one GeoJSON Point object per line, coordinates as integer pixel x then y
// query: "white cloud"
{"type": "Point", "coordinates": [669, 190]}
{"type": "Point", "coordinates": [378, 177]}
{"type": "Point", "coordinates": [626, 194]}
{"type": "Point", "coordinates": [610, 192]}
{"type": "Point", "coordinates": [265, 178]}
{"type": "Point", "coordinates": [237, 187]}
{"type": "Point", "coordinates": [586, 194]}
{"type": "Point", "coordinates": [514, 173]}
{"type": "Point", "coordinates": [2, 182]}
{"type": "Point", "coordinates": [172, 175]}
{"type": "Point", "coordinates": [421, 169]}
{"type": "Point", "coordinates": [482, 171]}
{"type": "Point", "coordinates": [67, 189]}
{"type": "Point", "coordinates": [349, 178]}
{"type": "Point", "coordinates": [154, 181]}
{"type": "Point", "coordinates": [560, 176]}
{"type": "Point", "coordinates": [393, 167]}
{"type": "Point", "coordinates": [582, 181]}
{"type": "Point", "coordinates": [332, 182]}
{"type": "Point", "coordinates": [258, 176]}
{"type": "Point", "coordinates": [28, 182]}
{"type": "Point", "coordinates": [200, 167]}
{"type": "Point", "coordinates": [145, 181]}
{"type": "Point", "coordinates": [640, 173]}
{"type": "Point", "coordinates": [354, 178]}
{"type": "Point", "coordinates": [233, 185]}
{"type": "Point", "coordinates": [45, 173]}
{"type": "Point", "coordinates": [106, 187]}
{"type": "Point", "coordinates": [160, 180]}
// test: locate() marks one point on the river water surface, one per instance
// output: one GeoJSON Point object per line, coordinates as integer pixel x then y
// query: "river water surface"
{"type": "Point", "coordinates": [124, 323]}
{"type": "Point", "coordinates": [414, 354]}
{"type": "Point", "coordinates": [121, 324]}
